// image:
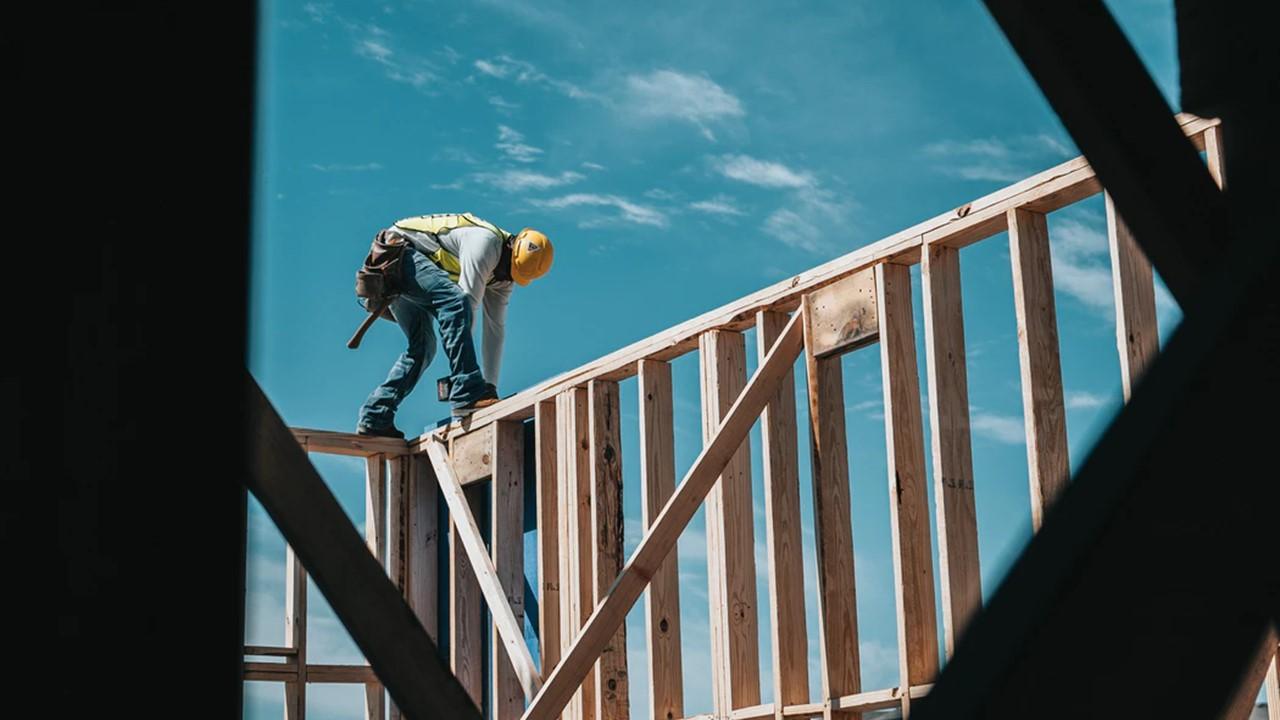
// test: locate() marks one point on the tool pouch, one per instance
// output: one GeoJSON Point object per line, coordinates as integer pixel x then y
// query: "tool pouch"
{"type": "Point", "coordinates": [380, 278]}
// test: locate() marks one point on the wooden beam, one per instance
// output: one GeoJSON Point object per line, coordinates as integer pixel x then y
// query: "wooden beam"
{"type": "Point", "coordinates": [657, 477]}
{"type": "Point", "coordinates": [1137, 334]}
{"type": "Point", "coordinates": [829, 461]}
{"type": "Point", "coordinates": [950, 441]}
{"type": "Point", "coordinates": [1214, 158]}
{"type": "Point", "coordinates": [510, 632]}
{"type": "Point", "coordinates": [465, 617]}
{"type": "Point", "coordinates": [320, 532]}
{"type": "Point", "coordinates": [424, 540]}
{"type": "Point", "coordinates": [398, 536]}
{"type": "Point", "coordinates": [780, 457]}
{"type": "Point", "coordinates": [843, 314]}
{"type": "Point", "coordinates": [612, 687]}
{"type": "Point", "coordinates": [731, 568]}
{"type": "Point", "coordinates": [577, 587]}
{"type": "Point", "coordinates": [328, 442]}
{"type": "Point", "coordinates": [341, 674]}
{"type": "Point", "coordinates": [1242, 701]}
{"type": "Point", "coordinates": [507, 548]}
{"type": "Point", "coordinates": [1041, 370]}
{"type": "Point", "coordinates": [270, 650]}
{"type": "Point", "coordinates": [471, 455]}
{"type": "Point", "coordinates": [1273, 687]}
{"type": "Point", "coordinates": [295, 635]}
{"type": "Point", "coordinates": [666, 529]}
{"type": "Point", "coordinates": [375, 536]}
{"type": "Point", "coordinates": [548, 502]}
{"type": "Point", "coordinates": [908, 493]}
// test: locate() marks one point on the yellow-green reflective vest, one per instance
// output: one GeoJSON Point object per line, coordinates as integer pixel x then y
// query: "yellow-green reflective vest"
{"type": "Point", "coordinates": [440, 224]}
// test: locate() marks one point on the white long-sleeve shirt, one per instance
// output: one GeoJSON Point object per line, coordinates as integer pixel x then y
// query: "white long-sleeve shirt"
{"type": "Point", "coordinates": [478, 251]}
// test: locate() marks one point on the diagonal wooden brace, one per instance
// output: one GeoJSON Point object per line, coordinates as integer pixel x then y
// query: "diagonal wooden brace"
{"type": "Point", "coordinates": [667, 527]}
{"type": "Point", "coordinates": [504, 618]}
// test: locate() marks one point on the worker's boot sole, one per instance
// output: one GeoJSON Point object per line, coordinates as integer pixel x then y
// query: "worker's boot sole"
{"type": "Point", "coordinates": [466, 410]}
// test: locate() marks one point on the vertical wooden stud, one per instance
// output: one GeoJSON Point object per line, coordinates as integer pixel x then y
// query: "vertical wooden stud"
{"type": "Point", "coordinates": [398, 537]}
{"type": "Point", "coordinates": [465, 600]}
{"type": "Point", "coordinates": [506, 524]}
{"type": "Point", "coordinates": [612, 686]}
{"type": "Point", "coordinates": [662, 600]}
{"type": "Point", "coordinates": [1041, 369]}
{"type": "Point", "coordinates": [731, 573]}
{"type": "Point", "coordinates": [1137, 334]}
{"type": "Point", "coordinates": [837, 601]}
{"type": "Point", "coordinates": [375, 534]}
{"type": "Point", "coordinates": [544, 428]}
{"type": "Point", "coordinates": [779, 455]}
{"type": "Point", "coordinates": [908, 496]}
{"type": "Point", "coordinates": [577, 587]}
{"type": "Point", "coordinates": [295, 634]}
{"type": "Point", "coordinates": [950, 441]}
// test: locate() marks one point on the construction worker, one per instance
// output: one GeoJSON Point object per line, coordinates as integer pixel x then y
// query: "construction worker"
{"type": "Point", "coordinates": [459, 266]}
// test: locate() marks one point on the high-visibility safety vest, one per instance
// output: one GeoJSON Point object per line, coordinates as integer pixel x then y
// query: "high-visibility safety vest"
{"type": "Point", "coordinates": [441, 224]}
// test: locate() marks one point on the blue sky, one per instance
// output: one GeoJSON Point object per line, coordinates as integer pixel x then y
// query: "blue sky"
{"type": "Point", "coordinates": [679, 156]}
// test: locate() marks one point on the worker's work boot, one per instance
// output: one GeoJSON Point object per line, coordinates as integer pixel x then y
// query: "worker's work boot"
{"type": "Point", "coordinates": [489, 397]}
{"type": "Point", "coordinates": [389, 431]}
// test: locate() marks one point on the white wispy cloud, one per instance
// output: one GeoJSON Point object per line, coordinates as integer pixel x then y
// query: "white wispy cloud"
{"type": "Point", "coordinates": [627, 211]}
{"type": "Point", "coordinates": [995, 159]}
{"type": "Point", "coordinates": [399, 66]}
{"type": "Point", "coordinates": [1082, 262]}
{"type": "Point", "coordinates": [1082, 399]}
{"type": "Point", "coordinates": [340, 167]}
{"type": "Point", "coordinates": [692, 98]}
{"type": "Point", "coordinates": [521, 180]}
{"type": "Point", "coordinates": [592, 166]}
{"type": "Point", "coordinates": [718, 205]}
{"type": "Point", "coordinates": [1006, 429]}
{"type": "Point", "coordinates": [511, 143]}
{"type": "Point", "coordinates": [814, 222]}
{"type": "Point", "coordinates": [505, 67]}
{"type": "Point", "coordinates": [503, 104]}
{"type": "Point", "coordinates": [763, 173]}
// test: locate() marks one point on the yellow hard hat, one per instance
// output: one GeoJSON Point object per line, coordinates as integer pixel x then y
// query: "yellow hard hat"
{"type": "Point", "coordinates": [531, 255]}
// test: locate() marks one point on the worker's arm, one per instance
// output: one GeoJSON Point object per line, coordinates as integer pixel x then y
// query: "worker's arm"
{"type": "Point", "coordinates": [479, 252]}
{"type": "Point", "coordinates": [496, 296]}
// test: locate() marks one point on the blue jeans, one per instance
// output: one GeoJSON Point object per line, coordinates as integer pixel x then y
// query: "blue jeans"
{"type": "Point", "coordinates": [428, 295]}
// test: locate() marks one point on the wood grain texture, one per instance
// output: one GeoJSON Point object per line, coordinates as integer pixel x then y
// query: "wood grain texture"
{"type": "Point", "coordinates": [1214, 157]}
{"type": "Point", "coordinates": [328, 442]}
{"type": "Point", "coordinates": [843, 314]}
{"type": "Point", "coordinates": [548, 502]}
{"type": "Point", "coordinates": [398, 537]}
{"type": "Point", "coordinates": [1041, 369]}
{"type": "Point", "coordinates": [295, 635]}
{"type": "Point", "coordinates": [657, 477]}
{"type": "Point", "coordinates": [950, 441]}
{"type": "Point", "coordinates": [424, 541]}
{"type": "Point", "coordinates": [785, 552]}
{"type": "Point", "coordinates": [1273, 688]}
{"type": "Point", "coordinates": [506, 543]}
{"type": "Point", "coordinates": [731, 570]}
{"type": "Point", "coordinates": [465, 620]}
{"type": "Point", "coordinates": [471, 454]}
{"type": "Point", "coordinates": [660, 541]}
{"type": "Point", "coordinates": [612, 683]}
{"type": "Point", "coordinates": [375, 533]}
{"type": "Point", "coordinates": [577, 588]}
{"type": "Point", "coordinates": [829, 460]}
{"type": "Point", "coordinates": [1137, 334]}
{"type": "Point", "coordinates": [908, 492]}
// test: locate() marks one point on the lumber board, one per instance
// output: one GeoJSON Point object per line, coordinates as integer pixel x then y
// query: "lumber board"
{"type": "Point", "coordinates": [424, 542]}
{"type": "Point", "coordinates": [829, 463]}
{"type": "Point", "coordinates": [471, 455]}
{"type": "Point", "coordinates": [295, 635]}
{"type": "Point", "coordinates": [612, 687]}
{"type": "Point", "coordinates": [465, 597]}
{"type": "Point", "coordinates": [548, 508]}
{"type": "Point", "coordinates": [731, 570]}
{"type": "Point", "coordinates": [342, 674]}
{"type": "Point", "coordinates": [575, 539]}
{"type": "Point", "coordinates": [375, 533]}
{"type": "Point", "coordinates": [1132, 281]}
{"type": "Point", "coordinates": [271, 650]}
{"type": "Point", "coordinates": [339, 563]}
{"type": "Point", "coordinates": [662, 600]}
{"type": "Point", "coordinates": [1241, 703]}
{"type": "Point", "coordinates": [329, 442]}
{"type": "Point", "coordinates": [1273, 687]}
{"type": "Point", "coordinates": [506, 498]}
{"type": "Point", "coordinates": [1040, 366]}
{"type": "Point", "coordinates": [908, 494]}
{"type": "Point", "coordinates": [659, 542]}
{"type": "Point", "coordinates": [509, 631]}
{"type": "Point", "coordinates": [950, 441]}
{"type": "Point", "coordinates": [982, 217]}
{"type": "Point", "coordinates": [272, 672]}
{"type": "Point", "coordinates": [784, 547]}
{"type": "Point", "coordinates": [843, 314]}
{"type": "Point", "coordinates": [1214, 158]}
